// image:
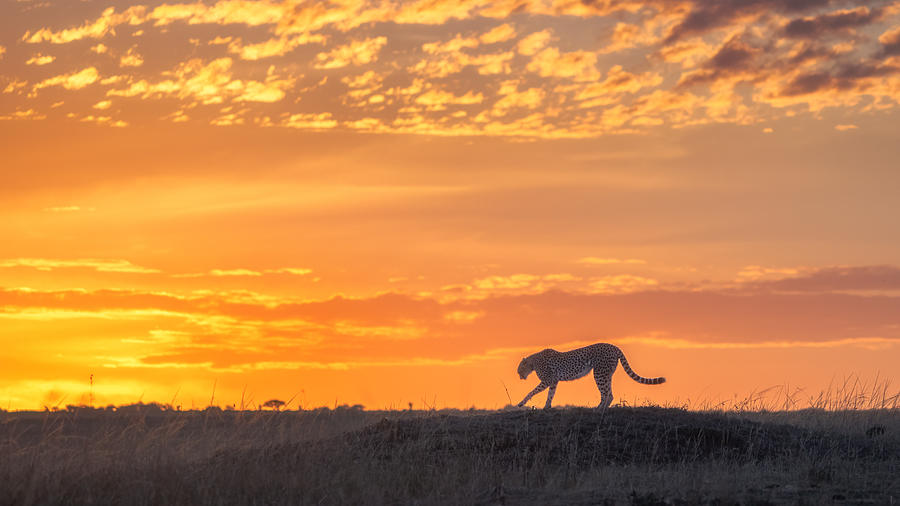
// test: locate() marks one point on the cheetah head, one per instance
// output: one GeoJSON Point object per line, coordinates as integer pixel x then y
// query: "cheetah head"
{"type": "Point", "coordinates": [525, 368]}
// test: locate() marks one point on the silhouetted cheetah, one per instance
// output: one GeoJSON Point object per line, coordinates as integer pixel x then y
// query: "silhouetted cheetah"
{"type": "Point", "coordinates": [552, 367]}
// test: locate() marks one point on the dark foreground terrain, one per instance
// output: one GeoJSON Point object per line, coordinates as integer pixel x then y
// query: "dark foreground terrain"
{"type": "Point", "coordinates": [645, 456]}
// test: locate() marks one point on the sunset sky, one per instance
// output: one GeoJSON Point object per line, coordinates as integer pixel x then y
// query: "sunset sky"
{"type": "Point", "coordinates": [385, 202]}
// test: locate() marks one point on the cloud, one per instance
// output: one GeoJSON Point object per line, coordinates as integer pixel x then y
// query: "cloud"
{"type": "Point", "coordinates": [72, 81]}
{"type": "Point", "coordinates": [874, 277]}
{"type": "Point", "coordinates": [297, 271]}
{"type": "Point", "coordinates": [39, 59]}
{"type": "Point", "coordinates": [825, 24]}
{"type": "Point", "coordinates": [290, 17]}
{"type": "Point", "coordinates": [497, 34]}
{"type": "Point", "coordinates": [872, 343]}
{"type": "Point", "coordinates": [278, 46]}
{"type": "Point", "coordinates": [99, 265]}
{"type": "Point", "coordinates": [516, 311]}
{"type": "Point", "coordinates": [356, 52]}
{"type": "Point", "coordinates": [210, 83]}
{"type": "Point", "coordinates": [758, 272]}
{"type": "Point", "coordinates": [617, 82]}
{"type": "Point", "coordinates": [843, 84]}
{"type": "Point", "coordinates": [224, 12]}
{"type": "Point", "coordinates": [512, 98]}
{"type": "Point", "coordinates": [439, 99]}
{"type": "Point", "coordinates": [737, 64]}
{"type": "Point", "coordinates": [369, 79]}
{"type": "Point", "coordinates": [445, 58]}
{"type": "Point", "coordinates": [454, 45]}
{"type": "Point", "coordinates": [234, 272]}
{"type": "Point", "coordinates": [96, 29]}
{"type": "Point", "coordinates": [248, 272]}
{"type": "Point", "coordinates": [2, 51]}
{"type": "Point", "coordinates": [622, 283]}
{"type": "Point", "coordinates": [241, 272]}
{"type": "Point", "coordinates": [708, 15]}
{"type": "Point", "coordinates": [67, 209]}
{"type": "Point", "coordinates": [890, 41]}
{"type": "Point", "coordinates": [534, 42]}
{"type": "Point", "coordinates": [28, 114]}
{"type": "Point", "coordinates": [844, 128]}
{"type": "Point", "coordinates": [575, 65]}
{"type": "Point", "coordinates": [310, 121]}
{"type": "Point", "coordinates": [131, 59]}
{"type": "Point", "coordinates": [689, 54]}
{"type": "Point", "coordinates": [734, 56]}
{"type": "Point", "coordinates": [104, 120]}
{"type": "Point", "coordinates": [610, 261]}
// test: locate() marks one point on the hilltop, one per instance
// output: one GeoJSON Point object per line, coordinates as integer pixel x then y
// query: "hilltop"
{"type": "Point", "coordinates": [348, 455]}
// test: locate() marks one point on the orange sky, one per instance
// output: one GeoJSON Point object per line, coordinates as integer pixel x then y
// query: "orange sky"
{"type": "Point", "coordinates": [391, 202]}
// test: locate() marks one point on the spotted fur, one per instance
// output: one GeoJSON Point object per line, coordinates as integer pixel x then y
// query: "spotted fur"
{"type": "Point", "coordinates": [552, 366]}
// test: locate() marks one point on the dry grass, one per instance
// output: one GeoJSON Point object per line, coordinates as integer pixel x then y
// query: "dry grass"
{"type": "Point", "coordinates": [746, 454]}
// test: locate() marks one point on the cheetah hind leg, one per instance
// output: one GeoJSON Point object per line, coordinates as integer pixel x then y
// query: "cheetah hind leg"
{"type": "Point", "coordinates": [604, 384]}
{"type": "Point", "coordinates": [550, 394]}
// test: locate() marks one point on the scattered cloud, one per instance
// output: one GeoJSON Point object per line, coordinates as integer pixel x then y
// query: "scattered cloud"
{"type": "Point", "coordinates": [296, 271]}
{"type": "Point", "coordinates": [278, 46]}
{"type": "Point", "coordinates": [310, 121]}
{"type": "Point", "coordinates": [210, 83]}
{"type": "Point", "coordinates": [622, 283]}
{"type": "Point", "coordinates": [96, 29]}
{"type": "Point", "coordinates": [706, 16]}
{"type": "Point", "coordinates": [445, 58]}
{"type": "Point", "coordinates": [829, 279]}
{"type": "Point", "coordinates": [758, 272]}
{"type": "Point", "coordinates": [28, 114]}
{"type": "Point", "coordinates": [890, 41]}
{"type": "Point", "coordinates": [40, 59]}
{"type": "Point", "coordinates": [499, 33]}
{"type": "Point", "coordinates": [825, 24]}
{"type": "Point", "coordinates": [104, 120]}
{"type": "Point", "coordinates": [439, 99]}
{"type": "Point", "coordinates": [99, 265]}
{"type": "Point", "coordinates": [575, 65]}
{"type": "Point", "coordinates": [844, 128]}
{"type": "Point", "coordinates": [653, 64]}
{"type": "Point", "coordinates": [71, 81]}
{"type": "Point", "coordinates": [67, 209]}
{"type": "Point", "coordinates": [234, 272]}
{"type": "Point", "coordinates": [131, 59]}
{"type": "Point", "coordinates": [241, 272]}
{"type": "Point", "coordinates": [610, 261]}
{"type": "Point", "coordinates": [356, 52]}
{"type": "Point", "coordinates": [531, 44]}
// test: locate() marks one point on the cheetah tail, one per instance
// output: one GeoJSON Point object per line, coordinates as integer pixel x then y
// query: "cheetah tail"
{"type": "Point", "coordinates": [635, 376]}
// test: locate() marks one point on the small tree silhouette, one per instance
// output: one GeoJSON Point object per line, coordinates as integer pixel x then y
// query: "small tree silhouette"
{"type": "Point", "coordinates": [273, 404]}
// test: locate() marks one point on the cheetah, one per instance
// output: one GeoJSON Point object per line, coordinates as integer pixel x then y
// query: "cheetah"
{"type": "Point", "coordinates": [553, 366]}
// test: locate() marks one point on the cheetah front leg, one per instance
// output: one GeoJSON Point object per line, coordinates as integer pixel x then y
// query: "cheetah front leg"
{"type": "Point", "coordinates": [538, 389]}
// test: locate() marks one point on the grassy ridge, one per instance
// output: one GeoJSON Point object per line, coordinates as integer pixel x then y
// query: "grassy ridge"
{"type": "Point", "coordinates": [144, 455]}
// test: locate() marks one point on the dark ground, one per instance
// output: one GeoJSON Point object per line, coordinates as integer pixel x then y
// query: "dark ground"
{"type": "Point", "coordinates": [642, 456]}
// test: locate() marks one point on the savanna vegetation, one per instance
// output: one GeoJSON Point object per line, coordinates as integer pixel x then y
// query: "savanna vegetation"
{"type": "Point", "coordinates": [843, 450]}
